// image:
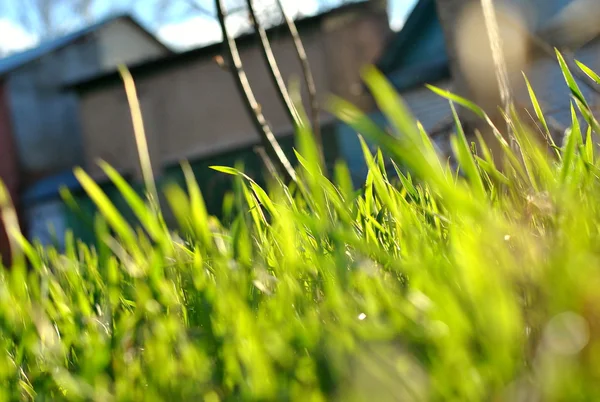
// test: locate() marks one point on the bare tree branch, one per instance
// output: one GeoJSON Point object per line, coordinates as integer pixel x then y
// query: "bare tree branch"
{"type": "Point", "coordinates": [274, 71]}
{"type": "Point", "coordinates": [308, 78]}
{"type": "Point", "coordinates": [253, 108]}
{"type": "Point", "coordinates": [262, 154]}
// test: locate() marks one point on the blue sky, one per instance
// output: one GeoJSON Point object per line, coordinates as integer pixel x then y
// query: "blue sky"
{"type": "Point", "coordinates": [182, 30]}
{"type": "Point", "coordinates": [190, 32]}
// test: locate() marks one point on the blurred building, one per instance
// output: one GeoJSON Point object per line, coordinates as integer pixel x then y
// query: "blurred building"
{"type": "Point", "coordinates": [40, 131]}
{"type": "Point", "coordinates": [191, 106]}
{"type": "Point", "coordinates": [438, 46]}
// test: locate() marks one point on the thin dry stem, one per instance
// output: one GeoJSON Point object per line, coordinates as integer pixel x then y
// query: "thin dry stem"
{"type": "Point", "coordinates": [139, 132]}
{"type": "Point", "coordinates": [11, 225]}
{"type": "Point", "coordinates": [491, 23]}
{"type": "Point", "coordinates": [308, 77]}
{"type": "Point", "coordinates": [274, 71]}
{"type": "Point", "coordinates": [252, 106]}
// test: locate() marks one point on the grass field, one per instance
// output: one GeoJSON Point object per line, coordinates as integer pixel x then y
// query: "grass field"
{"type": "Point", "coordinates": [428, 286]}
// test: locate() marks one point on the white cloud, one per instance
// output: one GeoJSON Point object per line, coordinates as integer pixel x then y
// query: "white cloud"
{"type": "Point", "coordinates": [397, 22]}
{"type": "Point", "coordinates": [201, 30]}
{"type": "Point", "coordinates": [14, 38]}
{"type": "Point", "coordinates": [304, 7]}
{"type": "Point", "coordinates": [399, 10]}
{"type": "Point", "coordinates": [198, 31]}
{"type": "Point", "coordinates": [190, 33]}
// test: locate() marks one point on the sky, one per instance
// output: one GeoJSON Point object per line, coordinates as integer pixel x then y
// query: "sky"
{"type": "Point", "coordinates": [13, 37]}
{"type": "Point", "coordinates": [194, 31]}
{"type": "Point", "coordinates": [185, 32]}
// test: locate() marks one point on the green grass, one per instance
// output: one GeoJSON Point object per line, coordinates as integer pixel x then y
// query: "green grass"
{"type": "Point", "coordinates": [428, 286]}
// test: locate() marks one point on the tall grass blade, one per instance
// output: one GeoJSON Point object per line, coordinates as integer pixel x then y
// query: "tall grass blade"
{"type": "Point", "coordinates": [199, 214]}
{"type": "Point", "coordinates": [572, 138]}
{"type": "Point", "coordinates": [589, 72]}
{"type": "Point", "coordinates": [570, 80]}
{"type": "Point", "coordinates": [11, 226]}
{"type": "Point", "coordinates": [146, 215]}
{"type": "Point", "coordinates": [466, 158]}
{"type": "Point", "coordinates": [106, 207]}
{"type": "Point", "coordinates": [540, 114]}
{"type": "Point", "coordinates": [140, 133]}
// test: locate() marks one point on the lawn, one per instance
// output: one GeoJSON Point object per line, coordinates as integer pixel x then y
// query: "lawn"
{"type": "Point", "coordinates": [426, 285]}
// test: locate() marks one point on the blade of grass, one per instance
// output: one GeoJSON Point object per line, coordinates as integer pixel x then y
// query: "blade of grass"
{"type": "Point", "coordinates": [106, 207]}
{"type": "Point", "coordinates": [145, 214]}
{"type": "Point", "coordinates": [139, 133]}
{"type": "Point", "coordinates": [570, 147]}
{"type": "Point", "coordinates": [466, 158]}
{"type": "Point", "coordinates": [197, 205]}
{"type": "Point", "coordinates": [506, 148]}
{"type": "Point", "coordinates": [570, 80]}
{"type": "Point", "coordinates": [589, 72]}
{"type": "Point", "coordinates": [11, 226]}
{"type": "Point", "coordinates": [540, 115]}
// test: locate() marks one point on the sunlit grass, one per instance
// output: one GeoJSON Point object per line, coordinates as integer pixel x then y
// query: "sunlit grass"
{"type": "Point", "coordinates": [422, 285]}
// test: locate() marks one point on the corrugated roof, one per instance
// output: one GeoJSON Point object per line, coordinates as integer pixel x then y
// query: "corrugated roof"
{"type": "Point", "coordinates": [17, 60]}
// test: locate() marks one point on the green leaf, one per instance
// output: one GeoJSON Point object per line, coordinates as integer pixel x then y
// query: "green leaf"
{"type": "Point", "coordinates": [264, 199]}
{"type": "Point", "coordinates": [406, 181]}
{"type": "Point", "coordinates": [378, 179]}
{"type": "Point", "coordinates": [142, 211]}
{"type": "Point", "coordinates": [465, 157]}
{"type": "Point", "coordinates": [409, 147]}
{"type": "Point", "coordinates": [197, 206]}
{"type": "Point", "coordinates": [570, 148]}
{"type": "Point", "coordinates": [589, 72]}
{"type": "Point", "coordinates": [506, 149]}
{"type": "Point", "coordinates": [180, 206]}
{"type": "Point", "coordinates": [106, 207]}
{"type": "Point", "coordinates": [572, 84]}
{"type": "Point", "coordinates": [539, 113]}
{"type": "Point", "coordinates": [589, 146]}
{"type": "Point", "coordinates": [457, 99]}
{"type": "Point", "coordinates": [343, 181]}
{"type": "Point", "coordinates": [228, 170]}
